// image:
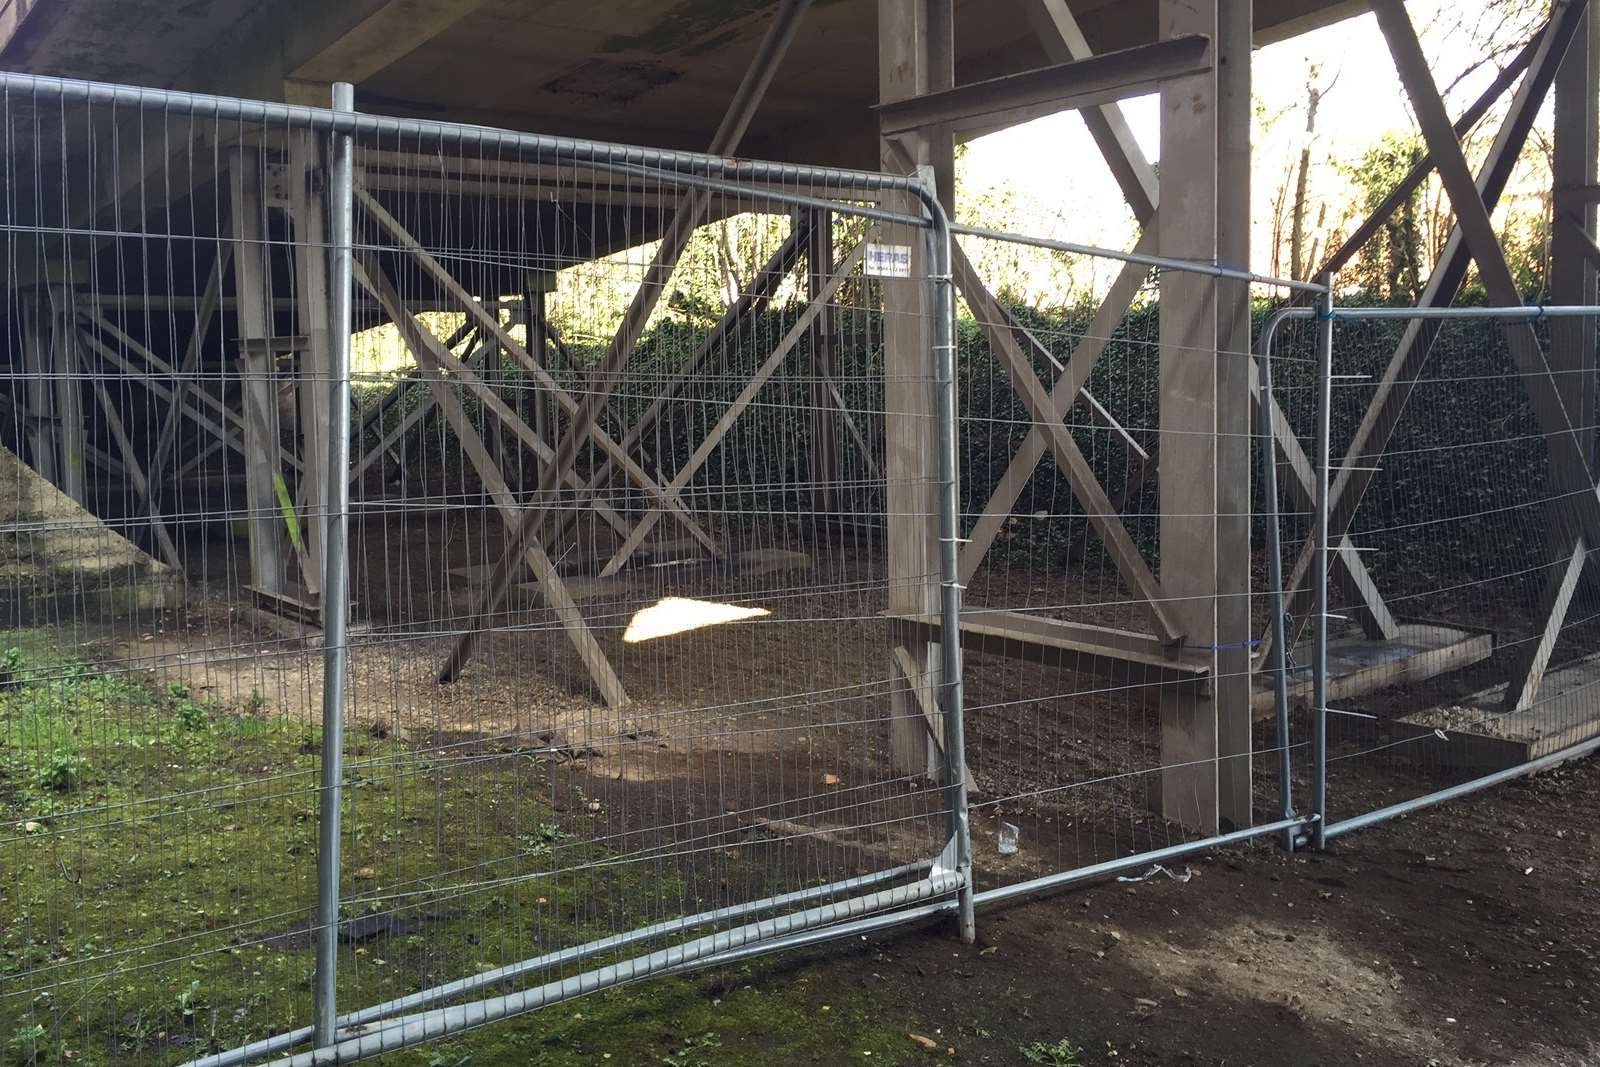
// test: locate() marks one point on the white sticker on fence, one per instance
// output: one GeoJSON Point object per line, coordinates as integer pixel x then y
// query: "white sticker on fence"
{"type": "Point", "coordinates": [889, 261]}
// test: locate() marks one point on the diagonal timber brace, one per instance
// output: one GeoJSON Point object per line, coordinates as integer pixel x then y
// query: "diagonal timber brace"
{"type": "Point", "coordinates": [1354, 474]}
{"type": "Point", "coordinates": [429, 351]}
{"type": "Point", "coordinates": [1043, 409]}
{"type": "Point", "coordinates": [425, 348]}
{"type": "Point", "coordinates": [606, 377]}
{"type": "Point", "coordinates": [491, 324]}
{"type": "Point", "coordinates": [768, 368]}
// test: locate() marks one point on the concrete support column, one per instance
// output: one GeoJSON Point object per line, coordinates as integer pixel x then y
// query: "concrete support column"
{"type": "Point", "coordinates": [1205, 416]}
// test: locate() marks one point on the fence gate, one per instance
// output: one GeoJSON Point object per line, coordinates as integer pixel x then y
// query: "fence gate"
{"type": "Point", "coordinates": [453, 571]}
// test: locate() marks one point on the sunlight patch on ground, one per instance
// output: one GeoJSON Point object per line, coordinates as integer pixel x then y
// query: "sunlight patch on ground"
{"type": "Point", "coordinates": [676, 615]}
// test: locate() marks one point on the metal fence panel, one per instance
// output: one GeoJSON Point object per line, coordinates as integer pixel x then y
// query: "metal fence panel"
{"type": "Point", "coordinates": [619, 692]}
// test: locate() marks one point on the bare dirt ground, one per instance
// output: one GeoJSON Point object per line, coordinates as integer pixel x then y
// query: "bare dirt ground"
{"type": "Point", "coordinates": [1466, 935]}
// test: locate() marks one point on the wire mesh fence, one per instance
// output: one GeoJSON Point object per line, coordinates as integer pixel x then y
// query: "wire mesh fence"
{"type": "Point", "coordinates": [1071, 702]}
{"type": "Point", "coordinates": [1461, 471]}
{"type": "Point", "coordinates": [618, 676]}
{"type": "Point", "coordinates": [640, 470]}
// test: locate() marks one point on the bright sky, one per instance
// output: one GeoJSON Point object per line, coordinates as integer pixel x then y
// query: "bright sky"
{"type": "Point", "coordinates": [1054, 167]}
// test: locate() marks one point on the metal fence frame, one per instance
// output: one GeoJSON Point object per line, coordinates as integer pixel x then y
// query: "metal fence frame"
{"type": "Point", "coordinates": [944, 884]}
{"type": "Point", "coordinates": [381, 1028]}
{"type": "Point", "coordinates": [1315, 828]}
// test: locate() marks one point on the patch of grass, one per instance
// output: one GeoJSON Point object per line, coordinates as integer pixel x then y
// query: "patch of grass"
{"type": "Point", "coordinates": [160, 850]}
{"type": "Point", "coordinates": [1062, 1053]}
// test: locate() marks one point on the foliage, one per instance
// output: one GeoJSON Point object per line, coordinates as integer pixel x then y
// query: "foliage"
{"type": "Point", "coordinates": [1390, 265]}
{"type": "Point", "coordinates": [1062, 1053]}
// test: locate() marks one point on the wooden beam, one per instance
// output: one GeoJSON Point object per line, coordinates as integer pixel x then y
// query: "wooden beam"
{"type": "Point", "coordinates": [430, 352]}
{"type": "Point", "coordinates": [490, 323]}
{"type": "Point", "coordinates": [1532, 656]}
{"type": "Point", "coordinates": [426, 349]}
{"type": "Point", "coordinates": [136, 477]}
{"type": "Point", "coordinates": [822, 438]}
{"type": "Point", "coordinates": [1136, 662]}
{"type": "Point", "coordinates": [252, 272]}
{"type": "Point", "coordinates": [1354, 473]}
{"type": "Point", "coordinates": [210, 299]}
{"type": "Point", "coordinates": [1069, 458]}
{"type": "Point", "coordinates": [156, 386]}
{"type": "Point", "coordinates": [37, 396]}
{"type": "Point", "coordinates": [607, 376]}
{"type": "Point", "coordinates": [67, 381]}
{"type": "Point", "coordinates": [419, 411]}
{"type": "Point", "coordinates": [916, 55]}
{"type": "Point", "coordinates": [756, 296]}
{"type": "Point", "coordinates": [768, 367]}
{"type": "Point", "coordinates": [1205, 414]}
{"type": "Point", "coordinates": [1574, 258]}
{"type": "Point", "coordinates": [1061, 87]}
{"type": "Point", "coordinates": [1063, 41]}
{"type": "Point", "coordinates": [1418, 174]}
{"type": "Point", "coordinates": [308, 216]}
{"type": "Point", "coordinates": [906, 669]}
{"type": "Point", "coordinates": [397, 393]}
{"type": "Point", "coordinates": [1567, 446]}
{"type": "Point", "coordinates": [1113, 309]}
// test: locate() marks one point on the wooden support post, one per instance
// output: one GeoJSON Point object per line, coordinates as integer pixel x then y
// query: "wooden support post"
{"type": "Point", "coordinates": [915, 57]}
{"type": "Point", "coordinates": [1574, 279]}
{"type": "Point", "coordinates": [1572, 340]}
{"type": "Point", "coordinates": [67, 384]}
{"type": "Point", "coordinates": [539, 408]}
{"type": "Point", "coordinates": [309, 216]}
{"type": "Point", "coordinates": [824, 436]}
{"type": "Point", "coordinates": [1205, 416]}
{"type": "Point", "coordinates": [1235, 367]}
{"type": "Point", "coordinates": [252, 277]}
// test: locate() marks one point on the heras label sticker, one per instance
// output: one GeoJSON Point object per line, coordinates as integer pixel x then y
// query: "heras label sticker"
{"type": "Point", "coordinates": [889, 261]}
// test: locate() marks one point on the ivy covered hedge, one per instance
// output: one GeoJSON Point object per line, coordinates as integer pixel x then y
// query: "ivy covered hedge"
{"type": "Point", "coordinates": [1458, 493]}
